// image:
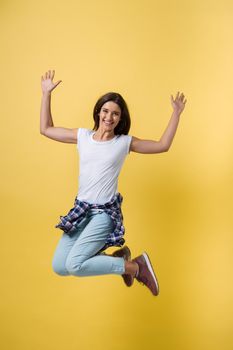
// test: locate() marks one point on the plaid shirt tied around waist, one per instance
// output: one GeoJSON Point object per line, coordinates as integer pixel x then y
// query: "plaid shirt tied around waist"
{"type": "Point", "coordinates": [69, 222]}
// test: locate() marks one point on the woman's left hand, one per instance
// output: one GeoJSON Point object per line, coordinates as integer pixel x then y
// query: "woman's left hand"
{"type": "Point", "coordinates": [179, 103]}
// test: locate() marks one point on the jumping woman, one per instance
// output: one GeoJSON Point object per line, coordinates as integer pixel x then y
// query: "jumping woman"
{"type": "Point", "coordinates": [96, 221]}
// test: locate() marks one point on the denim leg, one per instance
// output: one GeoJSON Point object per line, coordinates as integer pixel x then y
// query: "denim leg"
{"type": "Point", "coordinates": [64, 246]}
{"type": "Point", "coordinates": [82, 259]}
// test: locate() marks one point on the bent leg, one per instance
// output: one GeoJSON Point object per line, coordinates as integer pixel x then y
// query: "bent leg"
{"type": "Point", "coordinates": [82, 259]}
{"type": "Point", "coordinates": [64, 247]}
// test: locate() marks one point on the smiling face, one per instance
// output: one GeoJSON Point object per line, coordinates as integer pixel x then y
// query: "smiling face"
{"type": "Point", "coordinates": [110, 115]}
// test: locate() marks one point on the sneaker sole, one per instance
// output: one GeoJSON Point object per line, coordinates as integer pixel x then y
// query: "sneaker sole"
{"type": "Point", "coordinates": [149, 265]}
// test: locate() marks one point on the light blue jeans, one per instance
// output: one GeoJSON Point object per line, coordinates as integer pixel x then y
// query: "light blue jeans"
{"type": "Point", "coordinates": [76, 253]}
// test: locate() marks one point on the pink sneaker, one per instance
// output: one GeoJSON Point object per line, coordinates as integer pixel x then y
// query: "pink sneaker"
{"type": "Point", "coordinates": [126, 254]}
{"type": "Point", "coordinates": [146, 273]}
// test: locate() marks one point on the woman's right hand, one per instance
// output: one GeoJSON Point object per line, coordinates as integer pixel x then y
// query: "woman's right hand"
{"type": "Point", "coordinates": [47, 83]}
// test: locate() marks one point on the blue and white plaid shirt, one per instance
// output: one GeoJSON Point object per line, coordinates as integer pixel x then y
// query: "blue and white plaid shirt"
{"type": "Point", "coordinates": [69, 222]}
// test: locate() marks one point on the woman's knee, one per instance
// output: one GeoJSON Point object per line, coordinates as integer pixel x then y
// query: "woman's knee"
{"type": "Point", "coordinates": [74, 267]}
{"type": "Point", "coordinates": [59, 268]}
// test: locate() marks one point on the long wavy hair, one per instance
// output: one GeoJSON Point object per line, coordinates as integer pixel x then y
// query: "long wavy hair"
{"type": "Point", "coordinates": [123, 126]}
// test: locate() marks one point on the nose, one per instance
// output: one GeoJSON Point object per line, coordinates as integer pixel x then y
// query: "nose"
{"type": "Point", "coordinates": [108, 119]}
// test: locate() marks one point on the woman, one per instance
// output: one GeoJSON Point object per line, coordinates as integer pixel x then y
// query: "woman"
{"type": "Point", "coordinates": [96, 220]}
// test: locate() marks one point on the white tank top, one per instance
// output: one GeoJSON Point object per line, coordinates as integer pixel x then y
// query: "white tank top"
{"type": "Point", "coordinates": [100, 163]}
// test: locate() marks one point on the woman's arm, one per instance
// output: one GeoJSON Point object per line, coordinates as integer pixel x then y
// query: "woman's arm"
{"type": "Point", "coordinates": [45, 112]}
{"type": "Point", "coordinates": [46, 122]}
{"type": "Point", "coordinates": [163, 145]}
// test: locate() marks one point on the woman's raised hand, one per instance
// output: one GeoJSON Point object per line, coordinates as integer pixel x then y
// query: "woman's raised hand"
{"type": "Point", "coordinates": [179, 103]}
{"type": "Point", "coordinates": [47, 83]}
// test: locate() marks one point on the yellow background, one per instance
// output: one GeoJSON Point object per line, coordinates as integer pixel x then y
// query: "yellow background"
{"type": "Point", "coordinates": [177, 205]}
